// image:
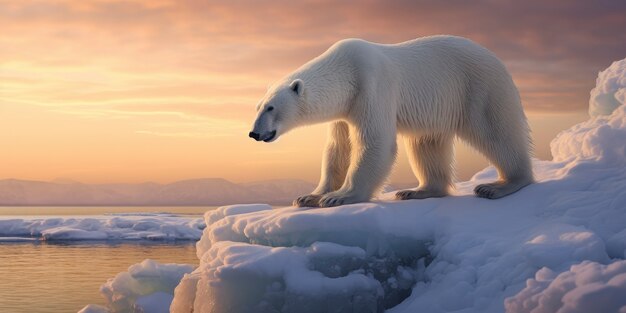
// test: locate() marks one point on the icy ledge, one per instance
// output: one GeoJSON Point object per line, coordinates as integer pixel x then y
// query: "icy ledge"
{"type": "Point", "coordinates": [555, 246]}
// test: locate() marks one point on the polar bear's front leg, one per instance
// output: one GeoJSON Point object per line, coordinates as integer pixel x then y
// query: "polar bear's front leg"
{"type": "Point", "coordinates": [335, 163]}
{"type": "Point", "coordinates": [374, 151]}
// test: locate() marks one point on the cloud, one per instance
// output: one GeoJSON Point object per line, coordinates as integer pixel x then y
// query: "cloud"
{"type": "Point", "coordinates": [557, 43]}
{"type": "Point", "coordinates": [136, 72]}
{"type": "Point", "coordinates": [224, 110]}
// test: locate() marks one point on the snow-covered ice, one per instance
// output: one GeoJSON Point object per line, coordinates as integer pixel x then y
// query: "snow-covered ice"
{"type": "Point", "coordinates": [556, 246]}
{"type": "Point", "coordinates": [108, 227]}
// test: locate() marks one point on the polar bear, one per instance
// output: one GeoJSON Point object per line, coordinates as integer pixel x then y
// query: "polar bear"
{"type": "Point", "coordinates": [429, 90]}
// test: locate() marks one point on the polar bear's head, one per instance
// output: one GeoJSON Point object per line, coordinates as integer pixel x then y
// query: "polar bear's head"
{"type": "Point", "coordinates": [278, 111]}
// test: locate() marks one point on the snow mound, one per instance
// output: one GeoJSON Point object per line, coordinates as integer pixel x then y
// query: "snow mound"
{"type": "Point", "coordinates": [460, 253]}
{"type": "Point", "coordinates": [610, 90]}
{"type": "Point", "coordinates": [103, 228]}
{"type": "Point", "coordinates": [147, 287]}
{"type": "Point", "coordinates": [598, 139]}
{"type": "Point", "coordinates": [586, 287]}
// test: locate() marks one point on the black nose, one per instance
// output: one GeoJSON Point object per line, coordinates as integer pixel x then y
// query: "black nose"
{"type": "Point", "coordinates": [254, 136]}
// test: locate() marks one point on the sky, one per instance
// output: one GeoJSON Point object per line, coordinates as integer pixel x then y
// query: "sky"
{"type": "Point", "coordinates": [105, 91]}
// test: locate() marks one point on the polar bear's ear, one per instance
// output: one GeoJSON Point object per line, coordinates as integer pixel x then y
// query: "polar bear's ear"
{"type": "Point", "coordinates": [297, 86]}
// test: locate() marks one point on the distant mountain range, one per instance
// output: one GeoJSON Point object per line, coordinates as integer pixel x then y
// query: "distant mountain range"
{"type": "Point", "coordinates": [205, 191]}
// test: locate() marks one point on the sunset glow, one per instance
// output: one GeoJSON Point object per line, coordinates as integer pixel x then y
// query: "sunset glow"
{"type": "Point", "coordinates": [133, 91]}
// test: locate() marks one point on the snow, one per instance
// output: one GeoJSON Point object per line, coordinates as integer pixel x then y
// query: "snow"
{"type": "Point", "coordinates": [147, 287]}
{"type": "Point", "coordinates": [555, 246]}
{"type": "Point", "coordinates": [109, 227]}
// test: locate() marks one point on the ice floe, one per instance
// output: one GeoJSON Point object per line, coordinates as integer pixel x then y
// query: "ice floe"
{"type": "Point", "coordinates": [110, 227]}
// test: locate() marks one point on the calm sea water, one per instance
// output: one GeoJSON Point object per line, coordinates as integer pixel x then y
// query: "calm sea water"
{"type": "Point", "coordinates": [40, 277]}
{"type": "Point", "coordinates": [62, 277]}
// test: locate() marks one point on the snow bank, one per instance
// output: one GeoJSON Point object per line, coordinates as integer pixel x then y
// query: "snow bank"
{"type": "Point", "coordinates": [128, 227]}
{"type": "Point", "coordinates": [147, 287]}
{"type": "Point", "coordinates": [459, 253]}
{"type": "Point", "coordinates": [586, 287]}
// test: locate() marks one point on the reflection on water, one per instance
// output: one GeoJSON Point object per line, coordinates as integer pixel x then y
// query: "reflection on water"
{"type": "Point", "coordinates": [63, 277]}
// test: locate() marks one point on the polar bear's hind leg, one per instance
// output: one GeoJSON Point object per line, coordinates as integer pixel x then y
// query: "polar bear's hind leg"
{"type": "Point", "coordinates": [503, 137]}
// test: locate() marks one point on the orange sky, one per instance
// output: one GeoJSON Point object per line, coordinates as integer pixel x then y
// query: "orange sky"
{"type": "Point", "coordinates": [159, 90]}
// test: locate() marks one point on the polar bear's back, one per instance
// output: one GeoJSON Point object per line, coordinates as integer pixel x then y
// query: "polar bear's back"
{"type": "Point", "coordinates": [439, 80]}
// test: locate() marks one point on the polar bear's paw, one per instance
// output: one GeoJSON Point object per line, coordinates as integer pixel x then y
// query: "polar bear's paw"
{"type": "Point", "coordinates": [339, 198]}
{"type": "Point", "coordinates": [500, 189]}
{"type": "Point", "coordinates": [490, 191]}
{"type": "Point", "coordinates": [307, 201]}
{"type": "Point", "coordinates": [419, 194]}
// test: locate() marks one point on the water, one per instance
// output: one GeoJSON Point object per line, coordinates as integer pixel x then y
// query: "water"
{"type": "Point", "coordinates": [41, 277]}
{"type": "Point", "coordinates": [47, 278]}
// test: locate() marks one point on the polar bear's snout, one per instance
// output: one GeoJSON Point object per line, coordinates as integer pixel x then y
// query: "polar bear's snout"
{"type": "Point", "coordinates": [264, 128]}
{"type": "Point", "coordinates": [267, 126]}
{"type": "Point", "coordinates": [255, 136]}
{"type": "Point", "coordinates": [267, 137]}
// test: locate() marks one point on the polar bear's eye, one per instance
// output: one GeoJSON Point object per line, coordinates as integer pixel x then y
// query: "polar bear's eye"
{"type": "Point", "coordinates": [270, 108]}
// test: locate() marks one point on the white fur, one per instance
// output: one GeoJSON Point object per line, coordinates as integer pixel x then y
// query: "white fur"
{"type": "Point", "coordinates": [429, 90]}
